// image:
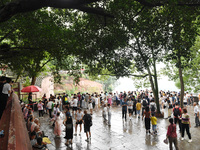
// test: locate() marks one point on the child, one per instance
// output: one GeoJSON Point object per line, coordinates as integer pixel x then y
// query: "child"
{"type": "Point", "coordinates": [138, 108]}
{"type": "Point", "coordinates": [109, 115]}
{"type": "Point", "coordinates": [104, 113]}
{"type": "Point", "coordinates": [154, 123]}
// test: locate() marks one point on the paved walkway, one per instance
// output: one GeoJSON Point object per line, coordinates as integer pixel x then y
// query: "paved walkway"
{"type": "Point", "coordinates": [130, 135]}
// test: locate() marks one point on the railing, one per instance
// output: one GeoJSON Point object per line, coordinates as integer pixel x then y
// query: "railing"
{"type": "Point", "coordinates": [15, 131]}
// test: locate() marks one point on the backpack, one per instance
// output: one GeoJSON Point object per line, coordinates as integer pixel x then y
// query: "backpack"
{"type": "Point", "coordinates": [88, 120]}
{"type": "Point", "coordinates": [176, 112]}
{"type": "Point", "coordinates": [144, 103]}
{"type": "Point", "coordinates": [153, 108]}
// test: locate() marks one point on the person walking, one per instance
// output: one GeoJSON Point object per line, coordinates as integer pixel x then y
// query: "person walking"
{"type": "Point", "coordinates": [87, 120]}
{"type": "Point", "coordinates": [130, 108]}
{"type": "Point", "coordinates": [196, 114]}
{"type": "Point", "coordinates": [165, 107]}
{"type": "Point", "coordinates": [124, 109]}
{"type": "Point", "coordinates": [57, 128]}
{"type": "Point", "coordinates": [171, 135]}
{"type": "Point", "coordinates": [69, 130]}
{"type": "Point", "coordinates": [78, 118]}
{"type": "Point", "coordinates": [186, 125]}
{"type": "Point", "coordinates": [154, 123]}
{"type": "Point", "coordinates": [177, 115]}
{"type": "Point", "coordinates": [138, 108]}
{"type": "Point", "coordinates": [40, 106]}
{"type": "Point", "coordinates": [109, 115]}
{"type": "Point", "coordinates": [147, 115]}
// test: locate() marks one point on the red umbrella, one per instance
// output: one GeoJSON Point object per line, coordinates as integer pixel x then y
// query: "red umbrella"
{"type": "Point", "coordinates": [31, 88]}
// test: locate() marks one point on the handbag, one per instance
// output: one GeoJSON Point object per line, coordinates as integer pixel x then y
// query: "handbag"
{"type": "Point", "coordinates": [165, 141]}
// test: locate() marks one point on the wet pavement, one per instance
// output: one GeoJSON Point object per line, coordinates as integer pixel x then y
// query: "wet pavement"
{"type": "Point", "coordinates": [121, 135]}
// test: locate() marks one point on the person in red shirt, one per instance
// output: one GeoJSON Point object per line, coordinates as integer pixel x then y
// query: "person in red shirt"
{"type": "Point", "coordinates": [171, 135]}
{"type": "Point", "coordinates": [177, 115]}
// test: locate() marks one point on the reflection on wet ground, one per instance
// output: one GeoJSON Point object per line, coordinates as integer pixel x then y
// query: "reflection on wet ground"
{"type": "Point", "coordinates": [121, 135]}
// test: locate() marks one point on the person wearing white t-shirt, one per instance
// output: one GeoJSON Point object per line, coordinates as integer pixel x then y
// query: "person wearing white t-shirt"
{"type": "Point", "coordinates": [75, 104]}
{"type": "Point", "coordinates": [196, 114]}
{"type": "Point", "coordinates": [96, 102]}
{"type": "Point", "coordinates": [130, 108]}
{"type": "Point", "coordinates": [78, 118]}
{"type": "Point", "coordinates": [5, 93]}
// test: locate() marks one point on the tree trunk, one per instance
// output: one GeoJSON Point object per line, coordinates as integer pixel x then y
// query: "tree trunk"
{"type": "Point", "coordinates": [181, 81]}
{"type": "Point", "coordinates": [33, 80]}
{"type": "Point", "coordinates": [156, 88]}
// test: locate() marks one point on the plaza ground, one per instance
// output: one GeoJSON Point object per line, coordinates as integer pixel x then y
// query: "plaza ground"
{"type": "Point", "coordinates": [121, 135]}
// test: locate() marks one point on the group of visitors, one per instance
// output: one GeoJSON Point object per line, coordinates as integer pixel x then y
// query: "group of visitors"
{"type": "Point", "coordinates": [78, 110]}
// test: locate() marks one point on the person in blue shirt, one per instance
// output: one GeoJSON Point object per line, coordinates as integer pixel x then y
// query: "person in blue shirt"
{"type": "Point", "coordinates": [124, 108]}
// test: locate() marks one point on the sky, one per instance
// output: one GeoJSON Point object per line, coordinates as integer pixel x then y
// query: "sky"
{"type": "Point", "coordinates": [127, 84]}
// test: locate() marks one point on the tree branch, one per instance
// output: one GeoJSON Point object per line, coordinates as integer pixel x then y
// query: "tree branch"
{"type": "Point", "coordinates": [164, 2]}
{"type": "Point", "coordinates": [22, 6]}
{"type": "Point", "coordinates": [134, 75]}
{"type": "Point", "coordinates": [97, 11]}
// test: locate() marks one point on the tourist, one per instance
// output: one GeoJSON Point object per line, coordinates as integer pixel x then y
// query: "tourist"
{"type": "Point", "coordinates": [49, 107]}
{"type": "Point", "coordinates": [134, 105]}
{"type": "Point", "coordinates": [33, 139]}
{"type": "Point", "coordinates": [96, 102]}
{"type": "Point", "coordinates": [78, 118]}
{"type": "Point", "coordinates": [104, 113]}
{"type": "Point", "coordinates": [177, 115]}
{"type": "Point", "coordinates": [144, 104]}
{"type": "Point", "coordinates": [124, 109]}
{"type": "Point", "coordinates": [6, 91]}
{"type": "Point", "coordinates": [186, 125]}
{"type": "Point", "coordinates": [57, 128]}
{"type": "Point", "coordinates": [75, 105]}
{"type": "Point", "coordinates": [40, 108]}
{"type": "Point", "coordinates": [154, 123]}
{"type": "Point", "coordinates": [130, 108]}
{"type": "Point", "coordinates": [90, 107]}
{"type": "Point", "coordinates": [110, 99]}
{"type": "Point", "coordinates": [55, 110]}
{"type": "Point", "coordinates": [147, 115]}
{"type": "Point", "coordinates": [87, 120]}
{"type": "Point", "coordinates": [109, 115]}
{"type": "Point", "coordinates": [165, 107]}
{"type": "Point", "coordinates": [153, 107]}
{"type": "Point", "coordinates": [69, 130]}
{"type": "Point", "coordinates": [138, 108]}
{"type": "Point", "coordinates": [196, 114]}
{"type": "Point", "coordinates": [171, 135]}
{"type": "Point", "coordinates": [40, 145]}
{"type": "Point", "coordinates": [30, 101]}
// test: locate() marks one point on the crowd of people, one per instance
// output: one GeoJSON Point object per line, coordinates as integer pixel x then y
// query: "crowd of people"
{"type": "Point", "coordinates": [80, 107]}
{"type": "Point", "coordinates": [78, 110]}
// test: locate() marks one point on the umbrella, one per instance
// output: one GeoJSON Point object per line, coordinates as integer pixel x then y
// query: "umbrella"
{"type": "Point", "coordinates": [31, 88]}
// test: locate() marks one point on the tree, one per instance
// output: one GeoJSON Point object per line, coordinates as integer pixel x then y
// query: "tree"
{"type": "Point", "coordinates": [183, 37]}
{"type": "Point", "coordinates": [32, 43]}
{"type": "Point", "coordinates": [190, 72]}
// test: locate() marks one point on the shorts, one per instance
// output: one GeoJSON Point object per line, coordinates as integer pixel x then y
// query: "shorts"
{"type": "Point", "coordinates": [86, 128]}
{"type": "Point", "coordinates": [130, 111]}
{"type": "Point", "coordinates": [79, 122]}
{"type": "Point", "coordinates": [74, 108]}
